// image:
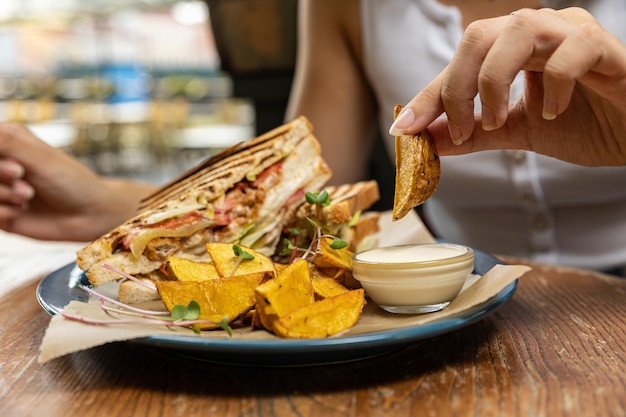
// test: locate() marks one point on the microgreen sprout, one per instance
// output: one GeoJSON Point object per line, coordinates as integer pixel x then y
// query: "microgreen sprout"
{"type": "Point", "coordinates": [189, 312]}
{"type": "Point", "coordinates": [241, 255]}
{"type": "Point", "coordinates": [309, 251]}
{"type": "Point", "coordinates": [338, 243]}
{"type": "Point", "coordinates": [314, 224]}
{"type": "Point", "coordinates": [318, 200]}
{"type": "Point", "coordinates": [322, 198]}
{"type": "Point", "coordinates": [226, 326]}
{"type": "Point", "coordinates": [288, 249]}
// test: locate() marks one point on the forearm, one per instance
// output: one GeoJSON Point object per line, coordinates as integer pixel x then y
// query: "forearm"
{"type": "Point", "coordinates": [330, 88]}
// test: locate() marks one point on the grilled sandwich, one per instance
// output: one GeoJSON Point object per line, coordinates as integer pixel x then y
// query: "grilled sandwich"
{"type": "Point", "coordinates": [244, 195]}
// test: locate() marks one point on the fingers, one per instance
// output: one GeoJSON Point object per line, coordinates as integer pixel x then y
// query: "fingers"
{"type": "Point", "coordinates": [462, 82]}
{"type": "Point", "coordinates": [18, 144]}
{"type": "Point", "coordinates": [17, 193]}
{"type": "Point", "coordinates": [571, 60]}
{"type": "Point", "coordinates": [509, 53]}
{"type": "Point", "coordinates": [453, 91]}
{"type": "Point", "coordinates": [492, 53]}
{"type": "Point", "coordinates": [568, 46]}
{"type": "Point", "coordinates": [14, 199]}
{"type": "Point", "coordinates": [13, 189]}
{"type": "Point", "coordinates": [591, 56]}
{"type": "Point", "coordinates": [10, 170]}
{"type": "Point", "coordinates": [528, 42]}
{"type": "Point", "coordinates": [541, 41]}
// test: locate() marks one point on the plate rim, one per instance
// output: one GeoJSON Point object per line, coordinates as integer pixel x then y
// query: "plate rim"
{"type": "Point", "coordinates": [270, 352]}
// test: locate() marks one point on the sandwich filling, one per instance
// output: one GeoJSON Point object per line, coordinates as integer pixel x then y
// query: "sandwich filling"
{"type": "Point", "coordinates": [252, 213]}
{"type": "Point", "coordinates": [228, 218]}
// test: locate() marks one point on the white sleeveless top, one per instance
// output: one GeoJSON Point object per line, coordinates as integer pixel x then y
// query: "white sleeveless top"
{"type": "Point", "coordinates": [505, 202]}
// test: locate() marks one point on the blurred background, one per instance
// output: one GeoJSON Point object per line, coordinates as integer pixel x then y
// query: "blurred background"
{"type": "Point", "coordinates": [146, 88]}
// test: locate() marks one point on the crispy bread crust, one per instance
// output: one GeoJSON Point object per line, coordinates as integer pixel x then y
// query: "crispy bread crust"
{"type": "Point", "coordinates": [346, 200]}
{"type": "Point", "coordinates": [221, 171]}
{"type": "Point", "coordinates": [367, 226]}
{"type": "Point", "coordinates": [131, 292]}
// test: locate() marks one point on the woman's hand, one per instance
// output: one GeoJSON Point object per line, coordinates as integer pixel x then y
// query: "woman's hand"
{"type": "Point", "coordinates": [47, 194]}
{"type": "Point", "coordinates": [574, 105]}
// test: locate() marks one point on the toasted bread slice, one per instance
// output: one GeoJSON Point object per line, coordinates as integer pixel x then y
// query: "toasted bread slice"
{"type": "Point", "coordinates": [131, 292]}
{"type": "Point", "coordinates": [364, 235]}
{"type": "Point", "coordinates": [345, 201]}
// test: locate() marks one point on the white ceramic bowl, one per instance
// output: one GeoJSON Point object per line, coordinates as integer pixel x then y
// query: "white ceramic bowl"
{"type": "Point", "coordinates": [413, 279]}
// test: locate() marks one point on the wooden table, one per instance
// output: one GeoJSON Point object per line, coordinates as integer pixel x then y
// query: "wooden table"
{"type": "Point", "coordinates": [556, 348]}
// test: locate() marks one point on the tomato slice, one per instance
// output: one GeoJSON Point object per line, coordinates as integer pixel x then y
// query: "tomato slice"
{"type": "Point", "coordinates": [176, 222]}
{"type": "Point", "coordinates": [185, 225]}
{"type": "Point", "coordinates": [276, 167]}
{"type": "Point", "coordinates": [298, 196]}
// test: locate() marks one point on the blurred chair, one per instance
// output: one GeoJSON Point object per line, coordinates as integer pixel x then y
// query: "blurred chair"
{"type": "Point", "coordinates": [256, 42]}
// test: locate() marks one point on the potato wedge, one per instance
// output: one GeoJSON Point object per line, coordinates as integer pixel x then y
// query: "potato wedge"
{"type": "Point", "coordinates": [225, 260]}
{"type": "Point", "coordinates": [332, 272]}
{"type": "Point", "coordinates": [289, 291]}
{"type": "Point", "coordinates": [326, 282]}
{"type": "Point", "coordinates": [218, 298]}
{"type": "Point", "coordinates": [333, 258]}
{"type": "Point", "coordinates": [326, 287]}
{"type": "Point", "coordinates": [185, 270]}
{"type": "Point", "coordinates": [348, 281]}
{"type": "Point", "coordinates": [417, 171]}
{"type": "Point", "coordinates": [323, 318]}
{"type": "Point", "coordinates": [280, 267]}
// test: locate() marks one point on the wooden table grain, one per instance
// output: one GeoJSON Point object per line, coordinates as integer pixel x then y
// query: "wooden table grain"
{"type": "Point", "coordinates": [557, 348]}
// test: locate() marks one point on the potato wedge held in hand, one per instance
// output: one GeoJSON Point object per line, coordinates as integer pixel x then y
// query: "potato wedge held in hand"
{"type": "Point", "coordinates": [417, 171]}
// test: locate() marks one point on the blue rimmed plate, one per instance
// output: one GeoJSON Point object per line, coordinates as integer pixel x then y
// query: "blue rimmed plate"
{"type": "Point", "coordinates": [60, 287]}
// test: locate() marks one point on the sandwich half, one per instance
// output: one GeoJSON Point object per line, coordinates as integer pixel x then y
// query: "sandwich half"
{"type": "Point", "coordinates": [244, 195]}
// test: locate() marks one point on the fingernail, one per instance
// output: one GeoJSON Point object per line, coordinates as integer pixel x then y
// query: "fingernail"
{"type": "Point", "coordinates": [404, 120]}
{"type": "Point", "coordinates": [23, 190]}
{"type": "Point", "coordinates": [488, 119]}
{"type": "Point", "coordinates": [14, 170]}
{"type": "Point", "coordinates": [455, 133]}
{"type": "Point", "coordinates": [550, 107]}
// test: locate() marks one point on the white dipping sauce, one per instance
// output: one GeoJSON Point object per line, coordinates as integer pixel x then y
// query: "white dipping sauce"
{"type": "Point", "coordinates": [409, 253]}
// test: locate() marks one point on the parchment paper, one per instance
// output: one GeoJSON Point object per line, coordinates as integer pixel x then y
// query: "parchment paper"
{"type": "Point", "coordinates": [65, 336]}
